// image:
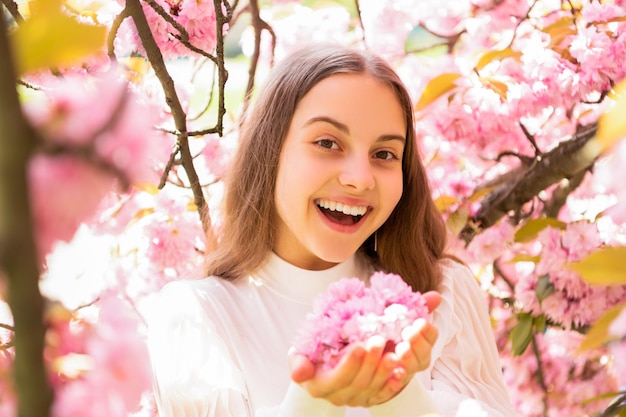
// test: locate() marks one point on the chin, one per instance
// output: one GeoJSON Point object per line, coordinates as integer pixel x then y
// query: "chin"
{"type": "Point", "coordinates": [335, 254]}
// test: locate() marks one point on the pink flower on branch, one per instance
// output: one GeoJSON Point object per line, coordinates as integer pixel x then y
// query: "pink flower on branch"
{"type": "Point", "coordinates": [351, 312]}
{"type": "Point", "coordinates": [195, 17]}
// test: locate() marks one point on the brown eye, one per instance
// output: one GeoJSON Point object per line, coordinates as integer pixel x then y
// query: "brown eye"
{"type": "Point", "coordinates": [327, 144]}
{"type": "Point", "coordinates": [386, 155]}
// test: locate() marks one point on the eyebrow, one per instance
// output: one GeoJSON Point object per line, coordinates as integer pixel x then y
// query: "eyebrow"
{"type": "Point", "coordinates": [342, 127]}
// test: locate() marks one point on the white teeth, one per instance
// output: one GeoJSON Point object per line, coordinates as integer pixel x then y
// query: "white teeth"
{"type": "Point", "coordinates": [344, 208]}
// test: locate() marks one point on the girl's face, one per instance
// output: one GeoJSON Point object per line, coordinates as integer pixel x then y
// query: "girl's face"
{"type": "Point", "coordinates": [340, 170]}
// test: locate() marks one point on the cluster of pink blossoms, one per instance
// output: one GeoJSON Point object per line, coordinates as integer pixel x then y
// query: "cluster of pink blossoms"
{"type": "Point", "coordinates": [103, 129]}
{"type": "Point", "coordinates": [100, 367]}
{"type": "Point", "coordinates": [572, 302]}
{"type": "Point", "coordinates": [196, 17]}
{"type": "Point", "coordinates": [351, 312]}
{"type": "Point", "coordinates": [566, 378]}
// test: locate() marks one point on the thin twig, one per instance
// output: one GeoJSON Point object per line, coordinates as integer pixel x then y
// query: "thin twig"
{"type": "Point", "coordinates": [540, 376]}
{"type": "Point", "coordinates": [13, 10]}
{"type": "Point", "coordinates": [258, 25]}
{"type": "Point", "coordinates": [360, 19]}
{"type": "Point", "coordinates": [531, 139]}
{"type": "Point", "coordinates": [7, 326]}
{"type": "Point", "coordinates": [115, 26]}
{"type": "Point", "coordinates": [169, 165]}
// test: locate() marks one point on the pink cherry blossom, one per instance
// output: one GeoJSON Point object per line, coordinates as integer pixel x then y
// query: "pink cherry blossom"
{"type": "Point", "coordinates": [572, 377]}
{"type": "Point", "coordinates": [113, 368]}
{"type": "Point", "coordinates": [103, 116]}
{"type": "Point", "coordinates": [64, 192]}
{"type": "Point", "coordinates": [350, 312]}
{"type": "Point", "coordinates": [196, 17]}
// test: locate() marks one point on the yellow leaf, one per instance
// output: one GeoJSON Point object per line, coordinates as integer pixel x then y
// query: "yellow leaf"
{"type": "Point", "coordinates": [445, 201]}
{"type": "Point", "coordinates": [149, 188]}
{"type": "Point", "coordinates": [529, 231]}
{"type": "Point", "coordinates": [560, 30]}
{"type": "Point", "coordinates": [437, 87]}
{"type": "Point", "coordinates": [480, 192]}
{"type": "Point", "coordinates": [598, 335]}
{"type": "Point", "coordinates": [612, 124]}
{"type": "Point", "coordinates": [605, 266]}
{"type": "Point", "coordinates": [498, 86]}
{"type": "Point", "coordinates": [136, 67]}
{"type": "Point", "coordinates": [498, 54]}
{"type": "Point", "coordinates": [524, 257]}
{"type": "Point", "coordinates": [51, 38]}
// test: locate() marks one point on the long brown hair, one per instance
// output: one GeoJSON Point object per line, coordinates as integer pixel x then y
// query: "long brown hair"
{"type": "Point", "coordinates": [409, 243]}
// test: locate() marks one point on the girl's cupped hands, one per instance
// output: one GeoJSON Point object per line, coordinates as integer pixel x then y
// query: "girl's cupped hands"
{"type": "Point", "coordinates": [370, 373]}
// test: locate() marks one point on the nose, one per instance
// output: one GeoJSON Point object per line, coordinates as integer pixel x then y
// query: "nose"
{"type": "Point", "coordinates": [357, 173]}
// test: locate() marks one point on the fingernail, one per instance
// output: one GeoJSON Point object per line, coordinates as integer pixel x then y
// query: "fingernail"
{"type": "Point", "coordinates": [399, 373]}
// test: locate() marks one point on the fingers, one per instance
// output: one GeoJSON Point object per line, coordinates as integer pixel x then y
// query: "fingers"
{"type": "Point", "coordinates": [301, 367]}
{"type": "Point", "coordinates": [366, 375]}
{"type": "Point", "coordinates": [433, 299]}
{"type": "Point", "coordinates": [417, 344]}
{"type": "Point", "coordinates": [327, 382]}
{"type": "Point", "coordinates": [375, 371]}
{"type": "Point", "coordinates": [358, 377]}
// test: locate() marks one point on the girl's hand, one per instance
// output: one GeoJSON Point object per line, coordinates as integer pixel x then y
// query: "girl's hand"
{"type": "Point", "coordinates": [367, 375]}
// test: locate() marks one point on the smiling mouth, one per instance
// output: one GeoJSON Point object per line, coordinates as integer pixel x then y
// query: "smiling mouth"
{"type": "Point", "coordinates": [341, 213]}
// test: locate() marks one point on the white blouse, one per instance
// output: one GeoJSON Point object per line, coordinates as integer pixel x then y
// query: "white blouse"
{"type": "Point", "coordinates": [219, 348]}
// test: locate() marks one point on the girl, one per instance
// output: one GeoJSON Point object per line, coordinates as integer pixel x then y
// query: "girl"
{"type": "Point", "coordinates": [327, 183]}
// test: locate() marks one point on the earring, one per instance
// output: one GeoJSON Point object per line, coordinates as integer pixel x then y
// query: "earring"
{"type": "Point", "coordinates": [376, 241]}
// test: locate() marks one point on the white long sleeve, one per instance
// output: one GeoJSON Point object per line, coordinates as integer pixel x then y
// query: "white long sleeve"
{"type": "Point", "coordinates": [466, 370]}
{"type": "Point", "coordinates": [194, 374]}
{"type": "Point", "coordinates": [219, 349]}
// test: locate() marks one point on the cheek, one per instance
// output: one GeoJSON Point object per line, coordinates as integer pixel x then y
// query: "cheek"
{"type": "Point", "coordinates": [393, 189]}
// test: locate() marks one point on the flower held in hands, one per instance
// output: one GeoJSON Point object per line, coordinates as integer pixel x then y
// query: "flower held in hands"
{"type": "Point", "coordinates": [350, 312]}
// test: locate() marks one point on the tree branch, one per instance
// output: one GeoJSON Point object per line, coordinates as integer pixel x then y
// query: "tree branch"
{"type": "Point", "coordinates": [525, 182]}
{"type": "Point", "coordinates": [221, 21]}
{"type": "Point", "coordinates": [553, 206]}
{"type": "Point", "coordinates": [18, 256]}
{"type": "Point", "coordinates": [180, 118]}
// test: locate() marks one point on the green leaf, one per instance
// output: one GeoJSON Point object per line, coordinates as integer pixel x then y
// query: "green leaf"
{"type": "Point", "coordinates": [545, 288]}
{"type": "Point", "coordinates": [606, 266]}
{"type": "Point", "coordinates": [598, 334]}
{"type": "Point", "coordinates": [522, 334]}
{"type": "Point", "coordinates": [50, 38]}
{"type": "Point", "coordinates": [540, 323]}
{"type": "Point", "coordinates": [437, 87]}
{"type": "Point", "coordinates": [529, 231]}
{"type": "Point", "coordinates": [457, 220]}
{"type": "Point", "coordinates": [421, 40]}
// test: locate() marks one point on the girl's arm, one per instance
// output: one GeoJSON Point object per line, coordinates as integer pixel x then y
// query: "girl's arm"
{"type": "Point", "coordinates": [193, 373]}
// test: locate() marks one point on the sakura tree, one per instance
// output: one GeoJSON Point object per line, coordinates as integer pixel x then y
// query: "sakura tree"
{"type": "Point", "coordinates": [119, 117]}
